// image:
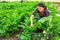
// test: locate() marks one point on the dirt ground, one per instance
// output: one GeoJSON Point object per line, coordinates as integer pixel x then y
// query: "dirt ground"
{"type": "Point", "coordinates": [11, 38]}
{"type": "Point", "coordinates": [57, 6]}
{"type": "Point", "coordinates": [13, 35]}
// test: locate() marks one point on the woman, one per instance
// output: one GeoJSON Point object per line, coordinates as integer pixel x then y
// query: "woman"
{"type": "Point", "coordinates": [42, 12]}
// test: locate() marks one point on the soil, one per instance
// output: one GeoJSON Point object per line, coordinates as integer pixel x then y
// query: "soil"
{"type": "Point", "coordinates": [57, 6]}
{"type": "Point", "coordinates": [12, 35]}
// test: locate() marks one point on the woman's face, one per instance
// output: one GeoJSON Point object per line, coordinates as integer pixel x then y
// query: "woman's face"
{"type": "Point", "coordinates": [41, 9]}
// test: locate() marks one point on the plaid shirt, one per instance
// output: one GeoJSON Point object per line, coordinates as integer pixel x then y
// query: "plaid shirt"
{"type": "Point", "coordinates": [45, 14]}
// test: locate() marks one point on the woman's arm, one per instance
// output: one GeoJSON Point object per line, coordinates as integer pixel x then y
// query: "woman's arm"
{"type": "Point", "coordinates": [31, 20]}
{"type": "Point", "coordinates": [32, 16]}
{"type": "Point", "coordinates": [47, 13]}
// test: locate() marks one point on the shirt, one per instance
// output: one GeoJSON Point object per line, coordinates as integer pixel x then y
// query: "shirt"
{"type": "Point", "coordinates": [45, 14]}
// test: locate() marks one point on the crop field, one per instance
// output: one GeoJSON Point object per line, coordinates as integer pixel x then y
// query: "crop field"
{"type": "Point", "coordinates": [16, 15]}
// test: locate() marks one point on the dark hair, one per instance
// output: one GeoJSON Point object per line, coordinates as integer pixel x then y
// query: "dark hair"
{"type": "Point", "coordinates": [42, 5]}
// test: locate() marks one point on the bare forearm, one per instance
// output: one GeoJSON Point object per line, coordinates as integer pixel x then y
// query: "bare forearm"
{"type": "Point", "coordinates": [31, 19]}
